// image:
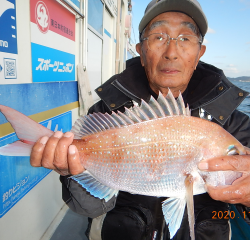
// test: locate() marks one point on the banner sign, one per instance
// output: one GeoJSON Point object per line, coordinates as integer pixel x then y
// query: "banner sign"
{"type": "Point", "coordinates": [8, 42]}
{"type": "Point", "coordinates": [52, 42]}
{"type": "Point", "coordinates": [17, 177]}
{"type": "Point", "coordinates": [48, 63]}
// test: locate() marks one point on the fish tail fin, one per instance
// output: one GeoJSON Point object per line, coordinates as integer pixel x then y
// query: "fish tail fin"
{"type": "Point", "coordinates": [173, 211]}
{"type": "Point", "coordinates": [189, 181]}
{"type": "Point", "coordinates": [27, 130]}
{"type": "Point", "coordinates": [17, 148]}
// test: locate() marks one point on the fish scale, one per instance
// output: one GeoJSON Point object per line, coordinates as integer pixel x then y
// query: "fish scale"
{"type": "Point", "coordinates": [146, 150]}
{"type": "Point", "coordinates": [143, 151]}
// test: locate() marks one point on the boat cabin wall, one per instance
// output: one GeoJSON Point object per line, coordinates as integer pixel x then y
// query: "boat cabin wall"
{"type": "Point", "coordinates": [47, 49]}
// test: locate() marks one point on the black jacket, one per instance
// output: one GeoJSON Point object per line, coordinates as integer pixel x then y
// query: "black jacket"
{"type": "Point", "coordinates": [140, 217]}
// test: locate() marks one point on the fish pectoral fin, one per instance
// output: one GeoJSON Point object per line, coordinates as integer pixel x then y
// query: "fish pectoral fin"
{"type": "Point", "coordinates": [17, 148]}
{"type": "Point", "coordinates": [173, 210]}
{"type": "Point", "coordinates": [94, 187]}
{"type": "Point", "coordinates": [189, 182]}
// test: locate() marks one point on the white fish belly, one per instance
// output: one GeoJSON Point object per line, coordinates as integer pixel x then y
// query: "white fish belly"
{"type": "Point", "coordinates": [157, 169]}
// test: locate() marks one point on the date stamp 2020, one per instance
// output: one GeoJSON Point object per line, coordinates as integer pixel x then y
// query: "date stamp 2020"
{"type": "Point", "coordinates": [227, 214]}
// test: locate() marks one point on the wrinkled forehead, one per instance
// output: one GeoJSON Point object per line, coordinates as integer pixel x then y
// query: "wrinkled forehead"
{"type": "Point", "coordinates": [167, 19]}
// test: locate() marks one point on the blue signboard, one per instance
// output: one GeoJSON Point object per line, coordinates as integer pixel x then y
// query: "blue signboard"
{"type": "Point", "coordinates": [50, 65]}
{"type": "Point", "coordinates": [17, 177]}
{"type": "Point", "coordinates": [8, 33]}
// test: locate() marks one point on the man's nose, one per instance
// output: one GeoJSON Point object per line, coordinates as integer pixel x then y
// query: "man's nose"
{"type": "Point", "coordinates": [171, 49]}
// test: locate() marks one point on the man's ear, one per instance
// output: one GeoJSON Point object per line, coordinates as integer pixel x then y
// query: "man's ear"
{"type": "Point", "coordinates": [202, 51]}
{"type": "Point", "coordinates": [139, 50]}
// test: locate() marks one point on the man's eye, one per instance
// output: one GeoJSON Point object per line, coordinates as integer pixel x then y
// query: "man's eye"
{"type": "Point", "coordinates": [159, 38]}
{"type": "Point", "coordinates": [184, 39]}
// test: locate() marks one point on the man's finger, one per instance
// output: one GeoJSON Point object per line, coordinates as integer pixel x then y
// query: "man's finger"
{"type": "Point", "coordinates": [61, 152]}
{"type": "Point", "coordinates": [75, 166]}
{"type": "Point", "coordinates": [238, 193]}
{"type": "Point", "coordinates": [234, 163]}
{"type": "Point", "coordinates": [49, 150]}
{"type": "Point", "coordinates": [224, 193]}
{"type": "Point", "coordinates": [37, 152]}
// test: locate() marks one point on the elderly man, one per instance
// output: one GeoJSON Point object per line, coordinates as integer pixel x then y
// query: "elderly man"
{"type": "Point", "coordinates": [171, 35]}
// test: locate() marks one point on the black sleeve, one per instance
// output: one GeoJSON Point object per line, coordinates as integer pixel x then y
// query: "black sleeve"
{"type": "Point", "coordinates": [82, 202]}
{"type": "Point", "coordinates": [99, 107]}
{"type": "Point", "coordinates": [239, 126]}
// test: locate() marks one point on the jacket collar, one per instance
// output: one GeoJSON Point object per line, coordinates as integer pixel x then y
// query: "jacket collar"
{"type": "Point", "coordinates": [208, 89]}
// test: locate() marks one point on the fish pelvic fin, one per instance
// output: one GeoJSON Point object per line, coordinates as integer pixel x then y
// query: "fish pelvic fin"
{"type": "Point", "coordinates": [162, 107]}
{"type": "Point", "coordinates": [94, 187]}
{"type": "Point", "coordinates": [189, 182]}
{"type": "Point", "coordinates": [173, 211]}
{"type": "Point", "coordinates": [26, 129]}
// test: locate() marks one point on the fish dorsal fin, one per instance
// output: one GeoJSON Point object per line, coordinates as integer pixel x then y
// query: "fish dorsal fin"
{"type": "Point", "coordinates": [97, 122]}
{"type": "Point", "coordinates": [131, 115]}
{"type": "Point", "coordinates": [156, 107]}
{"type": "Point", "coordinates": [113, 122]}
{"type": "Point", "coordinates": [181, 105]}
{"type": "Point", "coordinates": [94, 127]}
{"type": "Point", "coordinates": [87, 125]}
{"type": "Point", "coordinates": [162, 107]}
{"type": "Point", "coordinates": [125, 118]}
{"type": "Point", "coordinates": [122, 119]}
{"type": "Point", "coordinates": [188, 111]}
{"type": "Point", "coordinates": [163, 102]}
{"type": "Point", "coordinates": [84, 124]}
{"type": "Point", "coordinates": [119, 119]}
{"type": "Point", "coordinates": [173, 103]}
{"type": "Point", "coordinates": [145, 107]}
{"type": "Point", "coordinates": [140, 113]}
{"type": "Point", "coordinates": [100, 117]}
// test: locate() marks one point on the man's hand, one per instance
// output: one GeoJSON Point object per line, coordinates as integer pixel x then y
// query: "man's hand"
{"type": "Point", "coordinates": [239, 191]}
{"type": "Point", "coordinates": [57, 153]}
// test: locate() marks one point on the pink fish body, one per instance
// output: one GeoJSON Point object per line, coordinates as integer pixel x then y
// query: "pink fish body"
{"type": "Point", "coordinates": [154, 157]}
{"type": "Point", "coordinates": [149, 150]}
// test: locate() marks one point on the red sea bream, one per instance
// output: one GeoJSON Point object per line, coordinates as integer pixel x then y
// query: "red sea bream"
{"type": "Point", "coordinates": [149, 150]}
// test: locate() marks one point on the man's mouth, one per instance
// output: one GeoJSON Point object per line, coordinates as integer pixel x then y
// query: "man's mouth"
{"type": "Point", "coordinates": [170, 71]}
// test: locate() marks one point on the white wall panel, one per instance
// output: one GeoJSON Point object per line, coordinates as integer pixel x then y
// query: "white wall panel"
{"type": "Point", "coordinates": [108, 39]}
{"type": "Point", "coordinates": [94, 62]}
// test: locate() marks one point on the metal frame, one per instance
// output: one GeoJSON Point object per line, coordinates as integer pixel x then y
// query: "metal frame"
{"type": "Point", "coordinates": [68, 4]}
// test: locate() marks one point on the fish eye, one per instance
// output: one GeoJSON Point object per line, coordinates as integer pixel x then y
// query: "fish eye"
{"type": "Point", "coordinates": [232, 150]}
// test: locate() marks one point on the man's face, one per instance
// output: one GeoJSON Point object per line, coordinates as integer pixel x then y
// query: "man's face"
{"type": "Point", "coordinates": [171, 66]}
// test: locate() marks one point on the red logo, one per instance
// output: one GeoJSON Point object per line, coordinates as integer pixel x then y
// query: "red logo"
{"type": "Point", "coordinates": [42, 16]}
